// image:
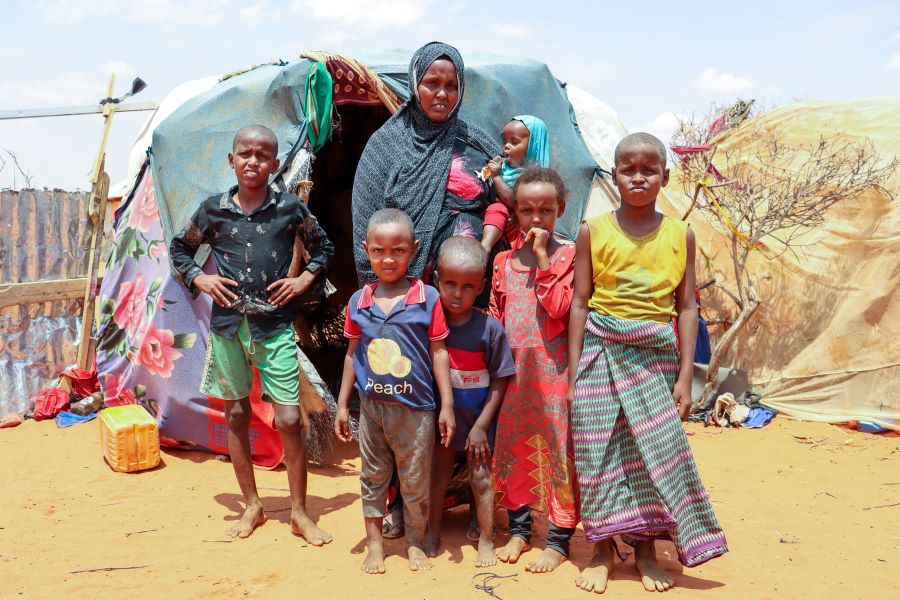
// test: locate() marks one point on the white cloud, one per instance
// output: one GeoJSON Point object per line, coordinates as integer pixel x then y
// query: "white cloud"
{"type": "Point", "coordinates": [367, 16]}
{"type": "Point", "coordinates": [894, 38]}
{"type": "Point", "coordinates": [663, 125]}
{"type": "Point", "coordinates": [333, 38]}
{"type": "Point", "coordinates": [156, 12]}
{"type": "Point", "coordinates": [124, 72]}
{"type": "Point", "coordinates": [71, 88]}
{"type": "Point", "coordinates": [513, 30]}
{"type": "Point", "coordinates": [894, 61]}
{"type": "Point", "coordinates": [711, 81]}
{"type": "Point", "coordinates": [252, 11]}
{"type": "Point", "coordinates": [74, 87]}
{"type": "Point", "coordinates": [586, 72]}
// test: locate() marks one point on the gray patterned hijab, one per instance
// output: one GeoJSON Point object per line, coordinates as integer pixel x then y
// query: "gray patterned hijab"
{"type": "Point", "coordinates": [406, 162]}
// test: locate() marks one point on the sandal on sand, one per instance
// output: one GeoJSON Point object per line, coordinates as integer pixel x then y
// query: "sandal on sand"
{"type": "Point", "coordinates": [392, 528]}
{"type": "Point", "coordinates": [11, 420]}
{"type": "Point", "coordinates": [473, 533]}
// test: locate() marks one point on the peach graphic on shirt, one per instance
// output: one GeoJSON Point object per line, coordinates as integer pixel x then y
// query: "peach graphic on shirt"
{"type": "Point", "coordinates": [400, 366]}
{"type": "Point", "coordinates": [382, 352]}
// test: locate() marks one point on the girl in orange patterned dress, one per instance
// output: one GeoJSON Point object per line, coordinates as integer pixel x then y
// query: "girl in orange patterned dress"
{"type": "Point", "coordinates": [532, 291]}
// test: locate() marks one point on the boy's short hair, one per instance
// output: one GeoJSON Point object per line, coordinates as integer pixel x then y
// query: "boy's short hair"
{"type": "Point", "coordinates": [260, 130]}
{"type": "Point", "coordinates": [638, 139]}
{"type": "Point", "coordinates": [460, 250]}
{"type": "Point", "coordinates": [390, 216]}
{"type": "Point", "coordinates": [542, 175]}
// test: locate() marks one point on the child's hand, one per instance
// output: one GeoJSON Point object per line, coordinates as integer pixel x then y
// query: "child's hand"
{"type": "Point", "coordinates": [477, 446]}
{"type": "Point", "coordinates": [447, 426]}
{"type": "Point", "coordinates": [540, 238]}
{"type": "Point", "coordinates": [217, 287]}
{"type": "Point", "coordinates": [282, 291]}
{"type": "Point", "coordinates": [682, 396]}
{"type": "Point", "coordinates": [342, 425]}
{"type": "Point", "coordinates": [570, 396]}
{"type": "Point", "coordinates": [495, 165]}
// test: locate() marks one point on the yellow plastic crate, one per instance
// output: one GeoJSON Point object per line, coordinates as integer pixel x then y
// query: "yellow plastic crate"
{"type": "Point", "coordinates": [129, 438]}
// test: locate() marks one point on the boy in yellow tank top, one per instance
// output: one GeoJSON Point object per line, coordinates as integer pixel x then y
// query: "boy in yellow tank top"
{"type": "Point", "coordinates": [634, 274]}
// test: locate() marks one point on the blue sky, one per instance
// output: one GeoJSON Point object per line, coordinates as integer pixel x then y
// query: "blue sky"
{"type": "Point", "coordinates": [647, 60]}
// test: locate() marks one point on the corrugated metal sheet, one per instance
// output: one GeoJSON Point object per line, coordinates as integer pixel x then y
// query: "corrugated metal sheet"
{"type": "Point", "coordinates": [42, 237]}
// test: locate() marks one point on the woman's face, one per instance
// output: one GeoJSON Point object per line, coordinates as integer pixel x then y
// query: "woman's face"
{"type": "Point", "coordinates": [439, 90]}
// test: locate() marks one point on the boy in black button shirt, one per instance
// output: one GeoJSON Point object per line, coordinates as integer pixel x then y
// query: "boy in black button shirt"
{"type": "Point", "coordinates": [251, 231]}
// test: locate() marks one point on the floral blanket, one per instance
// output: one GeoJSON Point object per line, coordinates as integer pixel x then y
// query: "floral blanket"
{"type": "Point", "coordinates": [152, 333]}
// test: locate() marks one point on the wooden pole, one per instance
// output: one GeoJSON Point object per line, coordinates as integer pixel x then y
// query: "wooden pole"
{"type": "Point", "coordinates": [97, 215]}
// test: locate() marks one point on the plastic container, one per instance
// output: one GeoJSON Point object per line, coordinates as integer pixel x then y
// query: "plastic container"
{"type": "Point", "coordinates": [129, 438]}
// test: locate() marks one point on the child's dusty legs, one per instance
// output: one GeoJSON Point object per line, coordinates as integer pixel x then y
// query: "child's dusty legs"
{"type": "Point", "coordinates": [483, 495]}
{"type": "Point", "coordinates": [556, 551]}
{"type": "Point", "coordinates": [237, 415]}
{"type": "Point", "coordinates": [520, 529]}
{"type": "Point", "coordinates": [374, 562]}
{"type": "Point", "coordinates": [414, 457]}
{"type": "Point", "coordinates": [596, 575]}
{"type": "Point", "coordinates": [489, 237]}
{"type": "Point", "coordinates": [442, 470]}
{"type": "Point", "coordinates": [289, 423]}
{"type": "Point", "coordinates": [654, 578]}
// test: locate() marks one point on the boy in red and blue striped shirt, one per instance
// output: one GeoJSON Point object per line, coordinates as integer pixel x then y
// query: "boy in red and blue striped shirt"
{"type": "Point", "coordinates": [481, 363]}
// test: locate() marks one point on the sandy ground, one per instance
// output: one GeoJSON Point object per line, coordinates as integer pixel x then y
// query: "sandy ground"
{"type": "Point", "coordinates": [800, 504]}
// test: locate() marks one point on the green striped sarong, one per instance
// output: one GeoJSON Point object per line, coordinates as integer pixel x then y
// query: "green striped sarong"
{"type": "Point", "coordinates": [636, 472]}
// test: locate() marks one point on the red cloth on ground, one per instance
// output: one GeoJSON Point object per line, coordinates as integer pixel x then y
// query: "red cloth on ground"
{"type": "Point", "coordinates": [125, 396]}
{"type": "Point", "coordinates": [50, 402]}
{"type": "Point", "coordinates": [84, 383]}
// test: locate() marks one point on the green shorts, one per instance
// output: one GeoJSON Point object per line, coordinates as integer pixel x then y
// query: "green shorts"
{"type": "Point", "coordinates": [227, 373]}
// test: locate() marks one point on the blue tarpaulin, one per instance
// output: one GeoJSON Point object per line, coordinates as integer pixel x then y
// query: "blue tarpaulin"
{"type": "Point", "coordinates": [190, 148]}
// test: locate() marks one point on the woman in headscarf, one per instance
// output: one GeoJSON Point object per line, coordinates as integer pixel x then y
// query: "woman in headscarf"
{"type": "Point", "coordinates": [425, 161]}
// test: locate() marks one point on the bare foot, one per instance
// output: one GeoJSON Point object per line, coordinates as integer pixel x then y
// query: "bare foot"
{"type": "Point", "coordinates": [546, 561]}
{"type": "Point", "coordinates": [596, 574]}
{"type": "Point", "coordinates": [654, 578]}
{"type": "Point", "coordinates": [432, 543]}
{"type": "Point", "coordinates": [374, 562]}
{"type": "Point", "coordinates": [417, 559]}
{"type": "Point", "coordinates": [303, 526]}
{"type": "Point", "coordinates": [252, 518]}
{"type": "Point", "coordinates": [513, 549]}
{"type": "Point", "coordinates": [485, 556]}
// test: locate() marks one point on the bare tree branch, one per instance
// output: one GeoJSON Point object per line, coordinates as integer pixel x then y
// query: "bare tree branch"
{"type": "Point", "coordinates": [26, 176]}
{"type": "Point", "coordinates": [768, 189]}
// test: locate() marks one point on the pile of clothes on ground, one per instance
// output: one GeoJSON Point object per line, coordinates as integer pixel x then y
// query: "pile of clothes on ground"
{"type": "Point", "coordinates": [75, 400]}
{"type": "Point", "coordinates": [727, 411]}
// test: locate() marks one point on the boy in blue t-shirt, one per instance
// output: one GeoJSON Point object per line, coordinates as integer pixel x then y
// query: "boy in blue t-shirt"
{"type": "Point", "coordinates": [396, 329]}
{"type": "Point", "coordinates": [481, 363]}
